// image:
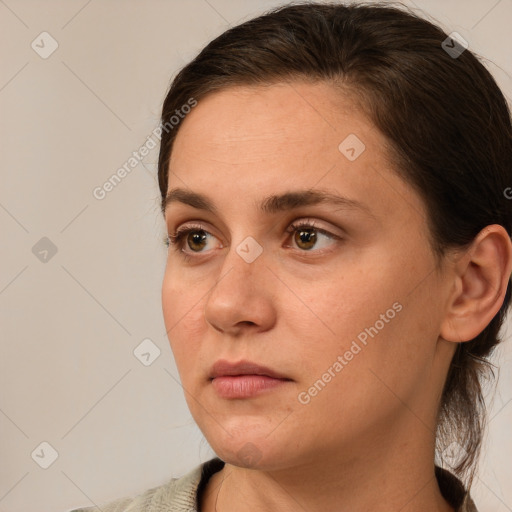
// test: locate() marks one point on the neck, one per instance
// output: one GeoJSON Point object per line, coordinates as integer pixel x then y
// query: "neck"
{"type": "Point", "coordinates": [383, 477]}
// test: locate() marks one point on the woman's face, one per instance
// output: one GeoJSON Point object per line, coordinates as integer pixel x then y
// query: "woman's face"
{"type": "Point", "coordinates": [346, 307]}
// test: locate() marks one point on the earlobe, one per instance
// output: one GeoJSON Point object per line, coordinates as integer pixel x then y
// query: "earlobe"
{"type": "Point", "coordinates": [481, 276]}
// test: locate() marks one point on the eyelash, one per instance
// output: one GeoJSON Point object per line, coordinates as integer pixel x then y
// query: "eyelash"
{"type": "Point", "coordinates": [177, 240]}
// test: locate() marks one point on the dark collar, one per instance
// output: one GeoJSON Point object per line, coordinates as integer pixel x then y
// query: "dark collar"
{"type": "Point", "coordinates": [453, 491]}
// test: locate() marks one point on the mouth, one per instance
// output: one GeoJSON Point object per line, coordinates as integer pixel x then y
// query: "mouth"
{"type": "Point", "coordinates": [244, 379]}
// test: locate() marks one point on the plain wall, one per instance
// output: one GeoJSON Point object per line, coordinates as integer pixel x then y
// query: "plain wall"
{"type": "Point", "coordinates": [69, 325]}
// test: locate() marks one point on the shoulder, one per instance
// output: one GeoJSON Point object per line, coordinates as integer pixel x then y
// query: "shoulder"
{"type": "Point", "coordinates": [177, 494]}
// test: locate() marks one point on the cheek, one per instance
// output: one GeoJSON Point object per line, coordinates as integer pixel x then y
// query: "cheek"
{"type": "Point", "coordinates": [376, 318]}
{"type": "Point", "coordinates": [180, 296]}
{"type": "Point", "coordinates": [360, 378]}
{"type": "Point", "coordinates": [346, 306]}
{"type": "Point", "coordinates": [183, 312]}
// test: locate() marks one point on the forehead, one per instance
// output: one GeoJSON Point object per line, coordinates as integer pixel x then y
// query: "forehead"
{"type": "Point", "coordinates": [290, 129]}
{"type": "Point", "coordinates": [251, 141]}
{"type": "Point", "coordinates": [296, 117]}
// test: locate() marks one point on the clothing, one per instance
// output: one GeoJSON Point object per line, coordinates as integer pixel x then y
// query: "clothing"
{"type": "Point", "coordinates": [183, 494]}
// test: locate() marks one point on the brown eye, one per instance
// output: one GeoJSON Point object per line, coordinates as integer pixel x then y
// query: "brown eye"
{"type": "Point", "coordinates": [196, 240]}
{"type": "Point", "coordinates": [192, 239]}
{"type": "Point", "coordinates": [305, 238]}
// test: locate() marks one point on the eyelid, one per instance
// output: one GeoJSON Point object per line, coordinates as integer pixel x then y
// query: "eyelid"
{"type": "Point", "coordinates": [191, 226]}
{"type": "Point", "coordinates": [310, 223]}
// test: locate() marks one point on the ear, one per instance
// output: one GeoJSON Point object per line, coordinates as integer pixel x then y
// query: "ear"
{"type": "Point", "coordinates": [481, 276]}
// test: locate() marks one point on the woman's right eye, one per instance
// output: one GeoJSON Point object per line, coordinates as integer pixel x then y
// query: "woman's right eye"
{"type": "Point", "coordinates": [195, 237]}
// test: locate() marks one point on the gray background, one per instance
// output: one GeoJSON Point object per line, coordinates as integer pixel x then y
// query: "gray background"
{"type": "Point", "coordinates": [70, 323]}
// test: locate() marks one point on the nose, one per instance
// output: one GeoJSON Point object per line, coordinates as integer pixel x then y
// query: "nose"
{"type": "Point", "coordinates": [242, 297]}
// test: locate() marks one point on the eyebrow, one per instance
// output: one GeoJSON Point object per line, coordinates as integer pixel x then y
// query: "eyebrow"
{"type": "Point", "coordinates": [271, 204]}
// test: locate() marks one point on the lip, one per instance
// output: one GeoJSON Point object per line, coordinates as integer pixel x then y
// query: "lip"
{"type": "Point", "coordinates": [223, 368]}
{"type": "Point", "coordinates": [244, 379]}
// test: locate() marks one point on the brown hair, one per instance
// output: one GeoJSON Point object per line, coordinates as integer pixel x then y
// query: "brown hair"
{"type": "Point", "coordinates": [446, 120]}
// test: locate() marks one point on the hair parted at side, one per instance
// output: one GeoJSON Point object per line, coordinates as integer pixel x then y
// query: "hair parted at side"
{"type": "Point", "coordinates": [446, 120]}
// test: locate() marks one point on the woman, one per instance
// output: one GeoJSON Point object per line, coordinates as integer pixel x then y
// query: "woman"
{"type": "Point", "coordinates": [339, 260]}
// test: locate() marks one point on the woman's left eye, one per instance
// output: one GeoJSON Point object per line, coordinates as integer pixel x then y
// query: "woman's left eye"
{"type": "Point", "coordinates": [306, 236]}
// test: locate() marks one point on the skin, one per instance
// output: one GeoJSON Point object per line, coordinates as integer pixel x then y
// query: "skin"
{"type": "Point", "coordinates": [366, 440]}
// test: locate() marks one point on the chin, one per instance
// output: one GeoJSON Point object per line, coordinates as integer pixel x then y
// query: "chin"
{"type": "Point", "coordinates": [261, 450]}
{"type": "Point", "coordinates": [248, 439]}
